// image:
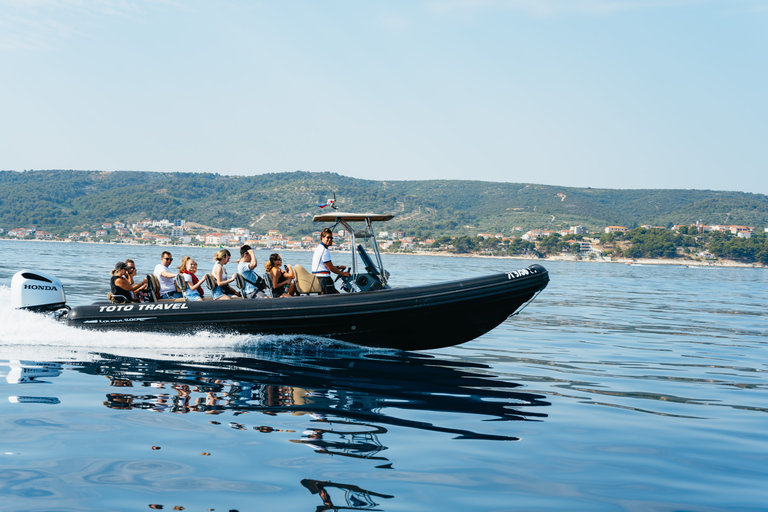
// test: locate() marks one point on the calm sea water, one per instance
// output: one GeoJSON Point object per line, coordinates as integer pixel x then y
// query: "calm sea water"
{"type": "Point", "coordinates": [619, 388]}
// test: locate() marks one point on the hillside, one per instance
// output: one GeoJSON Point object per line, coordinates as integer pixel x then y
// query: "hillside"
{"type": "Point", "coordinates": [61, 201]}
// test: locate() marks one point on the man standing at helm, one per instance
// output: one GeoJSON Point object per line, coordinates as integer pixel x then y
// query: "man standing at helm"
{"type": "Point", "coordinates": [322, 265]}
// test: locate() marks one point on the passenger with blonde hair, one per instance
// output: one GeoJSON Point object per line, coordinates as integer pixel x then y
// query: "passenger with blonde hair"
{"type": "Point", "coordinates": [222, 289]}
{"type": "Point", "coordinates": [194, 290]}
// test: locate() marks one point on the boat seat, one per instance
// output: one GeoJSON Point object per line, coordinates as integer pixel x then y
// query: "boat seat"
{"type": "Point", "coordinates": [268, 284]}
{"type": "Point", "coordinates": [240, 283]}
{"type": "Point", "coordinates": [306, 283]}
{"type": "Point", "coordinates": [210, 283]}
{"type": "Point", "coordinates": [153, 287]}
{"type": "Point", "coordinates": [117, 299]}
{"type": "Point", "coordinates": [181, 286]}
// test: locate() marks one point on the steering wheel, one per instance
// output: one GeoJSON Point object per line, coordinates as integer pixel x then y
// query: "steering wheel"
{"type": "Point", "coordinates": [345, 281]}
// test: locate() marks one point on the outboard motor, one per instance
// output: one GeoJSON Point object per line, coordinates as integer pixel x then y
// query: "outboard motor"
{"type": "Point", "coordinates": [36, 291]}
{"type": "Point", "coordinates": [28, 372]}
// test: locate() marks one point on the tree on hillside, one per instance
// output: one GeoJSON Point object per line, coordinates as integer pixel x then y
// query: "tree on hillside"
{"type": "Point", "coordinates": [464, 244]}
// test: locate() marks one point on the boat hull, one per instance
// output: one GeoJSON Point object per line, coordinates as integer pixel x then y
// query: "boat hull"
{"type": "Point", "coordinates": [416, 318]}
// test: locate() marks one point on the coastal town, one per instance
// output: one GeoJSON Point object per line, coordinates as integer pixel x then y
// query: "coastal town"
{"type": "Point", "coordinates": [180, 232]}
{"type": "Point", "coordinates": [613, 243]}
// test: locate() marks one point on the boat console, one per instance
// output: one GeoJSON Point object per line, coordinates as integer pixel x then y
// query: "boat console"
{"type": "Point", "coordinates": [367, 281]}
{"type": "Point", "coordinates": [366, 274]}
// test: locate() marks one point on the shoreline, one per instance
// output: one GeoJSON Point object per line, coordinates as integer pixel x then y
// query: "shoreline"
{"type": "Point", "coordinates": [664, 261]}
{"type": "Point", "coordinates": [559, 257]}
{"type": "Point", "coordinates": [626, 261]}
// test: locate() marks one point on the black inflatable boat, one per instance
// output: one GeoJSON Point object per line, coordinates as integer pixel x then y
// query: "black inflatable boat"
{"type": "Point", "coordinates": [370, 313]}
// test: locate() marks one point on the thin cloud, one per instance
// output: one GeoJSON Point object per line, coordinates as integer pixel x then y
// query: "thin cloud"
{"type": "Point", "coordinates": [19, 32]}
{"type": "Point", "coordinates": [548, 8]}
{"type": "Point", "coordinates": [41, 24]}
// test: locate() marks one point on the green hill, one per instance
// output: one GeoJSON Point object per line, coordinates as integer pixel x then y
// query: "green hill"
{"type": "Point", "coordinates": [61, 201]}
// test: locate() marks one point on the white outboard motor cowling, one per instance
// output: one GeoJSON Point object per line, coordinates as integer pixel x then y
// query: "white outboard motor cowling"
{"type": "Point", "coordinates": [37, 291]}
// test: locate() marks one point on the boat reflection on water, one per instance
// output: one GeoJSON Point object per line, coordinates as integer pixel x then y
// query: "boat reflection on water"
{"type": "Point", "coordinates": [350, 402]}
{"type": "Point", "coordinates": [346, 438]}
{"type": "Point", "coordinates": [32, 372]}
{"type": "Point", "coordinates": [367, 389]}
{"type": "Point", "coordinates": [355, 497]}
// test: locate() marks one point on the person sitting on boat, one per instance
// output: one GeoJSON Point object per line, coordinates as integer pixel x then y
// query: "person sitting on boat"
{"type": "Point", "coordinates": [166, 277]}
{"type": "Point", "coordinates": [222, 290]}
{"type": "Point", "coordinates": [142, 294]}
{"type": "Point", "coordinates": [130, 268]}
{"type": "Point", "coordinates": [120, 284]}
{"type": "Point", "coordinates": [322, 265]}
{"type": "Point", "coordinates": [283, 284]}
{"type": "Point", "coordinates": [194, 289]}
{"type": "Point", "coordinates": [245, 267]}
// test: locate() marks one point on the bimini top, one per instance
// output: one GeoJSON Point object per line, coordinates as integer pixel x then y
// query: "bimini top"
{"type": "Point", "coordinates": [351, 217]}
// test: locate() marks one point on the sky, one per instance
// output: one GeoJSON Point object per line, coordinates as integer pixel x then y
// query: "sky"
{"type": "Point", "coordinates": [621, 94]}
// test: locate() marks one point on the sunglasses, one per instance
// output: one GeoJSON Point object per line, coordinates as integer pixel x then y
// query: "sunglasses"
{"type": "Point", "coordinates": [167, 258]}
{"type": "Point", "coordinates": [130, 268]}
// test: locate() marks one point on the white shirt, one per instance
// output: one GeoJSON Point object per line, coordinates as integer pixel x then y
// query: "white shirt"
{"type": "Point", "coordinates": [223, 271]}
{"type": "Point", "coordinates": [166, 283]}
{"type": "Point", "coordinates": [319, 258]}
